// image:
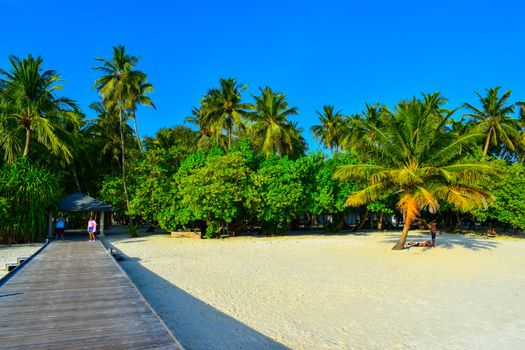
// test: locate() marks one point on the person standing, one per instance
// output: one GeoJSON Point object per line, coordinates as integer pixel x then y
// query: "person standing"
{"type": "Point", "coordinates": [92, 228]}
{"type": "Point", "coordinates": [433, 229]}
{"type": "Point", "coordinates": [59, 227]}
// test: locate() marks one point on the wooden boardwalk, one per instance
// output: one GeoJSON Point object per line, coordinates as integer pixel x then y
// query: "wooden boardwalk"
{"type": "Point", "coordinates": [73, 295]}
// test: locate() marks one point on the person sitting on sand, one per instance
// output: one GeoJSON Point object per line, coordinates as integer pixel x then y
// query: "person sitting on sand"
{"type": "Point", "coordinates": [419, 244]}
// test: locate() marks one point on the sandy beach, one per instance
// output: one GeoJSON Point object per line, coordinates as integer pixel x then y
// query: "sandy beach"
{"type": "Point", "coordinates": [9, 253]}
{"type": "Point", "coordinates": [333, 292]}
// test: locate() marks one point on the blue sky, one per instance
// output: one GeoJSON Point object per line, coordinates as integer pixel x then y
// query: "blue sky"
{"type": "Point", "coordinates": [343, 53]}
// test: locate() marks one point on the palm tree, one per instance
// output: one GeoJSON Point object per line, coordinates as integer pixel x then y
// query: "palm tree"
{"type": "Point", "coordinates": [222, 108]}
{"type": "Point", "coordinates": [30, 109]}
{"type": "Point", "coordinates": [360, 131]}
{"type": "Point", "coordinates": [205, 134]}
{"type": "Point", "coordinates": [331, 129]}
{"type": "Point", "coordinates": [105, 133]}
{"type": "Point", "coordinates": [270, 123]}
{"type": "Point", "coordinates": [118, 86]}
{"type": "Point", "coordinates": [420, 162]}
{"type": "Point", "coordinates": [494, 119]}
{"type": "Point", "coordinates": [139, 96]}
{"type": "Point", "coordinates": [299, 144]}
{"type": "Point", "coordinates": [179, 136]}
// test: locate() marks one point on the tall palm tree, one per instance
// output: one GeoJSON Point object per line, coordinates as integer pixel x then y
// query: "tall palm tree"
{"type": "Point", "coordinates": [30, 109]}
{"type": "Point", "coordinates": [331, 129]}
{"type": "Point", "coordinates": [139, 96]}
{"type": "Point", "coordinates": [494, 119]}
{"type": "Point", "coordinates": [420, 162]}
{"type": "Point", "coordinates": [117, 86]}
{"type": "Point", "coordinates": [223, 108]}
{"type": "Point", "coordinates": [270, 122]}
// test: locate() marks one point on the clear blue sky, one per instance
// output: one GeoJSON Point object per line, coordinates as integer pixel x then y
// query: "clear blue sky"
{"type": "Point", "coordinates": [343, 53]}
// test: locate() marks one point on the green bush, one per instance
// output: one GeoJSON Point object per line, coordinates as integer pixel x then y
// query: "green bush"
{"type": "Point", "coordinates": [26, 192]}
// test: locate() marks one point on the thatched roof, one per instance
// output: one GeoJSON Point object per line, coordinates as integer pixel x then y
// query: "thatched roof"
{"type": "Point", "coordinates": [80, 202]}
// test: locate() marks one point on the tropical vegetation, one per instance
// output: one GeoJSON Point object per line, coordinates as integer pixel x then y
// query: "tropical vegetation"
{"type": "Point", "coordinates": [240, 163]}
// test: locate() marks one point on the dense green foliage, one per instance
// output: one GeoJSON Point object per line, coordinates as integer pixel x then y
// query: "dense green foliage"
{"type": "Point", "coordinates": [243, 164]}
{"type": "Point", "coordinates": [26, 192]}
{"type": "Point", "coordinates": [417, 158]}
{"type": "Point", "coordinates": [508, 206]}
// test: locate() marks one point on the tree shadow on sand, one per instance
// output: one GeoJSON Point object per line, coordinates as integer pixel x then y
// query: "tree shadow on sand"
{"type": "Point", "coordinates": [196, 324]}
{"type": "Point", "coordinates": [447, 241]}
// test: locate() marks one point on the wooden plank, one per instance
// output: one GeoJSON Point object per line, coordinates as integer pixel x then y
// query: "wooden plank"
{"type": "Point", "coordinates": [73, 295]}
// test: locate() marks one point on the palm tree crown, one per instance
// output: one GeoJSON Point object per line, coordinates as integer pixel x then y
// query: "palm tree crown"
{"type": "Point", "coordinates": [494, 119]}
{"type": "Point", "coordinates": [270, 124]}
{"type": "Point", "coordinates": [331, 129]}
{"type": "Point", "coordinates": [29, 106]}
{"type": "Point", "coordinates": [420, 162]}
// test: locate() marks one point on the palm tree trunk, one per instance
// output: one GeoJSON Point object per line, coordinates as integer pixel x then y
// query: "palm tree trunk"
{"type": "Point", "coordinates": [362, 221]}
{"type": "Point", "coordinates": [380, 221]}
{"type": "Point", "coordinates": [77, 183]}
{"type": "Point", "coordinates": [487, 142]}
{"type": "Point", "coordinates": [122, 149]}
{"type": "Point", "coordinates": [139, 143]}
{"type": "Point", "coordinates": [28, 141]}
{"type": "Point", "coordinates": [401, 243]}
{"type": "Point", "coordinates": [229, 137]}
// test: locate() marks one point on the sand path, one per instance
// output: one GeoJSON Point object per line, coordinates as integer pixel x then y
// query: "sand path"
{"type": "Point", "coordinates": [333, 292]}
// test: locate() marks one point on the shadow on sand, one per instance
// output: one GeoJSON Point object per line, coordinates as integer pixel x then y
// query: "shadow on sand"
{"type": "Point", "coordinates": [196, 324]}
{"type": "Point", "coordinates": [447, 241]}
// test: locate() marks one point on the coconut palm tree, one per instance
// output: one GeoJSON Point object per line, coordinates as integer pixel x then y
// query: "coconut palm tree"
{"type": "Point", "coordinates": [139, 96]}
{"type": "Point", "coordinates": [360, 131]}
{"type": "Point", "coordinates": [118, 86]}
{"type": "Point", "coordinates": [223, 109]}
{"type": "Point", "coordinates": [105, 133]}
{"type": "Point", "coordinates": [31, 111]}
{"type": "Point", "coordinates": [331, 129]}
{"type": "Point", "coordinates": [299, 144]}
{"type": "Point", "coordinates": [420, 162]}
{"type": "Point", "coordinates": [270, 124]}
{"type": "Point", "coordinates": [494, 119]}
{"type": "Point", "coordinates": [179, 136]}
{"type": "Point", "coordinates": [205, 134]}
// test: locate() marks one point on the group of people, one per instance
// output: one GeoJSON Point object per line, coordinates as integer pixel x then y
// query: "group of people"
{"type": "Point", "coordinates": [60, 225]}
{"type": "Point", "coordinates": [432, 228]}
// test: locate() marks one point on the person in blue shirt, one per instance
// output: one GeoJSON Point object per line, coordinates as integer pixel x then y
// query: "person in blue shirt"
{"type": "Point", "coordinates": [59, 227]}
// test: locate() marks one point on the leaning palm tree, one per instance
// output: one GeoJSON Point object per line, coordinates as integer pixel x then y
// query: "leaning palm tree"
{"type": "Point", "coordinates": [494, 119]}
{"type": "Point", "coordinates": [30, 109]}
{"type": "Point", "coordinates": [270, 124]}
{"type": "Point", "coordinates": [223, 109]}
{"type": "Point", "coordinates": [420, 162]}
{"type": "Point", "coordinates": [117, 86]}
{"type": "Point", "coordinates": [331, 129]}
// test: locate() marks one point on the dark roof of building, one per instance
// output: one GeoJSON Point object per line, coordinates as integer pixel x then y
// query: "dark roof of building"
{"type": "Point", "coordinates": [80, 202]}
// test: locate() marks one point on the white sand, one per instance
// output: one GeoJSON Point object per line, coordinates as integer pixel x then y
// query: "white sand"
{"type": "Point", "coordinates": [9, 253]}
{"type": "Point", "coordinates": [333, 292]}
